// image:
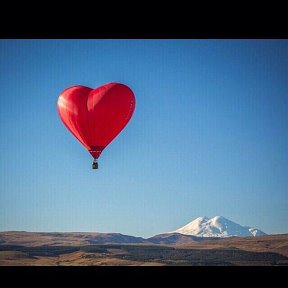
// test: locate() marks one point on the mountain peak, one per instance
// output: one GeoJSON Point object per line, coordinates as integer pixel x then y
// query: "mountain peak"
{"type": "Point", "coordinates": [216, 218]}
{"type": "Point", "coordinates": [201, 219]}
{"type": "Point", "coordinates": [217, 226]}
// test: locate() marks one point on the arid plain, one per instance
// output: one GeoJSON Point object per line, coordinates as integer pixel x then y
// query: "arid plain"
{"type": "Point", "coordinates": [77, 249]}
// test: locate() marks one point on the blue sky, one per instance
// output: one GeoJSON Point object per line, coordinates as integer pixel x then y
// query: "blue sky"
{"type": "Point", "coordinates": [209, 136]}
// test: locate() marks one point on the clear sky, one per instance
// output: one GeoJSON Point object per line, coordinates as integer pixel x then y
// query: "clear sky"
{"type": "Point", "coordinates": [209, 136]}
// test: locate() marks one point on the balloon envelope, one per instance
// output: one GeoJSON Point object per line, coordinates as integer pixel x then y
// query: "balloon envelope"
{"type": "Point", "coordinates": [96, 116]}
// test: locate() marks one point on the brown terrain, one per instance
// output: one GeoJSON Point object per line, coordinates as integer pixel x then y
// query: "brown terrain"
{"type": "Point", "coordinates": [111, 249]}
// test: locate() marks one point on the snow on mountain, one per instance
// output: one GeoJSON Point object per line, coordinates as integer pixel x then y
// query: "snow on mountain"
{"type": "Point", "coordinates": [217, 226]}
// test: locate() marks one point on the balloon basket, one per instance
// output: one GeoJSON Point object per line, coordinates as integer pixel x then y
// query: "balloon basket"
{"type": "Point", "coordinates": [95, 164]}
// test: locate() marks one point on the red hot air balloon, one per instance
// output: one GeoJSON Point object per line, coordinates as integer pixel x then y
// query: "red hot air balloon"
{"type": "Point", "coordinates": [96, 116]}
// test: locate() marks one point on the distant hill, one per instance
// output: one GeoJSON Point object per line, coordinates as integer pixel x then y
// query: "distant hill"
{"type": "Point", "coordinates": [65, 238]}
{"type": "Point", "coordinates": [103, 238]}
{"type": "Point", "coordinates": [173, 238]}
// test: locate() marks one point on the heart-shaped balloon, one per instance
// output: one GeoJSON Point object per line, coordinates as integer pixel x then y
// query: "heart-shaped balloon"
{"type": "Point", "coordinates": [96, 116]}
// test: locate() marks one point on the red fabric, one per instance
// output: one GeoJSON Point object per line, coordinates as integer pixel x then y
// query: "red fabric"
{"type": "Point", "coordinates": [96, 116]}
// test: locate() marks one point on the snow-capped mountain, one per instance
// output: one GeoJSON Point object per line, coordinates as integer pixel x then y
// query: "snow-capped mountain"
{"type": "Point", "coordinates": [217, 226]}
